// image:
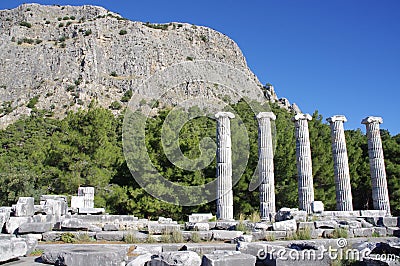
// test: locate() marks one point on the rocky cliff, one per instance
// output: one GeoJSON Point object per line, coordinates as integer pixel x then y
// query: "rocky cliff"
{"type": "Point", "coordinates": [60, 58]}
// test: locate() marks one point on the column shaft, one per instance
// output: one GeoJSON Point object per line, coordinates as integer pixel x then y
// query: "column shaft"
{"type": "Point", "coordinates": [344, 200]}
{"type": "Point", "coordinates": [224, 167]}
{"type": "Point", "coordinates": [304, 163]}
{"type": "Point", "coordinates": [266, 165]}
{"type": "Point", "coordinates": [380, 194]}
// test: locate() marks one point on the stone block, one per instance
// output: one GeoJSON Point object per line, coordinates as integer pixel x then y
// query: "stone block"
{"type": "Point", "coordinates": [263, 226]}
{"type": "Point", "coordinates": [14, 222]}
{"type": "Point", "coordinates": [136, 235]}
{"type": "Point", "coordinates": [274, 235]}
{"type": "Point", "coordinates": [31, 242]}
{"type": "Point", "coordinates": [288, 225]}
{"type": "Point", "coordinates": [224, 235]}
{"type": "Point", "coordinates": [93, 211]}
{"type": "Point", "coordinates": [228, 258]}
{"type": "Point", "coordinates": [4, 216]}
{"type": "Point", "coordinates": [380, 231]}
{"type": "Point", "coordinates": [89, 255]}
{"type": "Point", "coordinates": [201, 227]}
{"type": "Point", "coordinates": [225, 225]}
{"type": "Point", "coordinates": [25, 207]}
{"type": "Point", "coordinates": [110, 236]}
{"type": "Point", "coordinates": [141, 260]}
{"type": "Point", "coordinates": [317, 206]}
{"type": "Point", "coordinates": [373, 213]}
{"type": "Point", "coordinates": [200, 217]}
{"type": "Point", "coordinates": [316, 233]}
{"type": "Point", "coordinates": [51, 236]}
{"type": "Point", "coordinates": [158, 229]}
{"type": "Point", "coordinates": [110, 227]}
{"type": "Point", "coordinates": [388, 221]}
{"type": "Point", "coordinates": [306, 225]}
{"type": "Point", "coordinates": [77, 202]}
{"type": "Point", "coordinates": [163, 220]}
{"type": "Point", "coordinates": [331, 224]}
{"type": "Point", "coordinates": [40, 218]}
{"type": "Point", "coordinates": [366, 224]}
{"type": "Point", "coordinates": [182, 258]}
{"type": "Point", "coordinates": [242, 238]}
{"type": "Point", "coordinates": [393, 231]}
{"type": "Point", "coordinates": [12, 249]}
{"type": "Point", "coordinates": [43, 198]}
{"type": "Point", "coordinates": [87, 193]}
{"type": "Point", "coordinates": [28, 228]}
{"type": "Point", "coordinates": [363, 232]}
{"type": "Point", "coordinates": [351, 224]}
{"type": "Point", "coordinates": [55, 207]}
{"type": "Point", "coordinates": [341, 214]}
{"type": "Point", "coordinates": [74, 224]}
{"type": "Point", "coordinates": [204, 235]}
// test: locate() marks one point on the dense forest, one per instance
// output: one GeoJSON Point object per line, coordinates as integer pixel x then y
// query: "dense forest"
{"type": "Point", "coordinates": [43, 155]}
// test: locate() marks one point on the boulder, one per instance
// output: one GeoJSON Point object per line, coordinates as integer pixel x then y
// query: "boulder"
{"type": "Point", "coordinates": [110, 236]}
{"type": "Point", "coordinates": [224, 235]}
{"type": "Point", "coordinates": [200, 217]}
{"type": "Point", "coordinates": [14, 223]}
{"type": "Point", "coordinates": [317, 206]}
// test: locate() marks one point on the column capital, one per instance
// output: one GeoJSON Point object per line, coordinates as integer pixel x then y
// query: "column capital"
{"type": "Point", "coordinates": [335, 118]}
{"type": "Point", "coordinates": [301, 116]}
{"type": "Point", "coordinates": [224, 114]}
{"type": "Point", "coordinates": [269, 115]}
{"type": "Point", "coordinates": [372, 119]}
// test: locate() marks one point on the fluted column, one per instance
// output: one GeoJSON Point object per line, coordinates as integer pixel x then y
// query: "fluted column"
{"type": "Point", "coordinates": [304, 163]}
{"type": "Point", "coordinates": [344, 200]}
{"type": "Point", "coordinates": [224, 166]}
{"type": "Point", "coordinates": [266, 165]}
{"type": "Point", "coordinates": [380, 195]}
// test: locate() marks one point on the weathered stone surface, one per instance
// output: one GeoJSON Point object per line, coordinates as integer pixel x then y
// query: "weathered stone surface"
{"type": "Point", "coordinates": [74, 224]}
{"type": "Point", "coordinates": [365, 224]}
{"type": "Point", "coordinates": [56, 235]}
{"type": "Point", "coordinates": [223, 235]}
{"type": "Point", "coordinates": [380, 231]}
{"type": "Point", "coordinates": [56, 206]}
{"type": "Point", "coordinates": [373, 213]}
{"type": "Point", "coordinates": [141, 260]}
{"type": "Point", "coordinates": [331, 224]}
{"type": "Point", "coordinates": [136, 235]}
{"type": "Point", "coordinates": [25, 207]}
{"type": "Point", "coordinates": [393, 231]}
{"type": "Point", "coordinates": [201, 227]}
{"type": "Point", "coordinates": [200, 217]}
{"type": "Point", "coordinates": [306, 225]}
{"type": "Point", "coordinates": [288, 214]}
{"type": "Point", "coordinates": [110, 236]}
{"type": "Point", "coordinates": [243, 238]}
{"type": "Point", "coordinates": [274, 235]}
{"type": "Point", "coordinates": [88, 255]}
{"type": "Point", "coordinates": [317, 206]}
{"type": "Point", "coordinates": [262, 226]}
{"type": "Point", "coordinates": [4, 216]}
{"type": "Point", "coordinates": [158, 229]}
{"type": "Point", "coordinates": [289, 225]}
{"type": "Point", "coordinates": [14, 222]}
{"type": "Point", "coordinates": [163, 220]}
{"type": "Point", "coordinates": [27, 228]}
{"type": "Point", "coordinates": [388, 221]}
{"type": "Point", "coordinates": [350, 224]}
{"type": "Point", "coordinates": [183, 258]}
{"type": "Point", "coordinates": [225, 225]}
{"type": "Point", "coordinates": [341, 213]}
{"type": "Point", "coordinates": [110, 227]}
{"type": "Point", "coordinates": [228, 258]}
{"type": "Point", "coordinates": [84, 210]}
{"type": "Point", "coordinates": [12, 248]}
{"type": "Point", "coordinates": [363, 232]}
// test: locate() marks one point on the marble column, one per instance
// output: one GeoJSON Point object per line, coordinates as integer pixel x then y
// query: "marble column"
{"type": "Point", "coordinates": [380, 195]}
{"type": "Point", "coordinates": [266, 165]}
{"type": "Point", "coordinates": [344, 200]}
{"type": "Point", "coordinates": [304, 163]}
{"type": "Point", "coordinates": [224, 167]}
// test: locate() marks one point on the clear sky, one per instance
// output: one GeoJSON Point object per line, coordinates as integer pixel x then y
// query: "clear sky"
{"type": "Point", "coordinates": [334, 56]}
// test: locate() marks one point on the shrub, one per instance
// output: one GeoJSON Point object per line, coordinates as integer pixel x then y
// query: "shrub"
{"type": "Point", "coordinates": [32, 102]}
{"type": "Point", "coordinates": [113, 74]}
{"type": "Point", "coordinates": [84, 237]}
{"type": "Point", "coordinates": [204, 38]}
{"type": "Point", "coordinates": [38, 41]}
{"type": "Point", "coordinates": [156, 26]}
{"type": "Point", "coordinates": [70, 88]}
{"type": "Point", "coordinates": [176, 236]}
{"type": "Point", "coordinates": [150, 239]}
{"type": "Point", "coordinates": [255, 216]}
{"type": "Point", "coordinates": [25, 24]}
{"type": "Point", "coordinates": [47, 22]}
{"type": "Point", "coordinates": [195, 238]}
{"type": "Point", "coordinates": [36, 252]}
{"type": "Point", "coordinates": [61, 25]}
{"type": "Point", "coordinates": [130, 239]}
{"type": "Point", "coordinates": [68, 23]}
{"type": "Point", "coordinates": [72, 17]}
{"type": "Point", "coordinates": [62, 39]}
{"type": "Point", "coordinates": [59, 19]}
{"type": "Point", "coordinates": [122, 32]}
{"type": "Point", "coordinates": [189, 58]}
{"type": "Point", "coordinates": [115, 105]}
{"type": "Point", "coordinates": [68, 238]}
{"type": "Point", "coordinates": [65, 18]}
{"type": "Point", "coordinates": [127, 96]}
{"type": "Point", "coordinates": [88, 32]}
{"type": "Point", "coordinates": [63, 45]}
{"type": "Point", "coordinates": [340, 233]}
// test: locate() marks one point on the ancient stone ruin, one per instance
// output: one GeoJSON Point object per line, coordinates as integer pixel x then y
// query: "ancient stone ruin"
{"type": "Point", "coordinates": [84, 235]}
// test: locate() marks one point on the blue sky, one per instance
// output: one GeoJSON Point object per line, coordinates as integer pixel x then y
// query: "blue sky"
{"type": "Point", "coordinates": [336, 56]}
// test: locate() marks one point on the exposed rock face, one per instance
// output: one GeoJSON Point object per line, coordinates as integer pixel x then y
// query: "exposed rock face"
{"type": "Point", "coordinates": [68, 56]}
